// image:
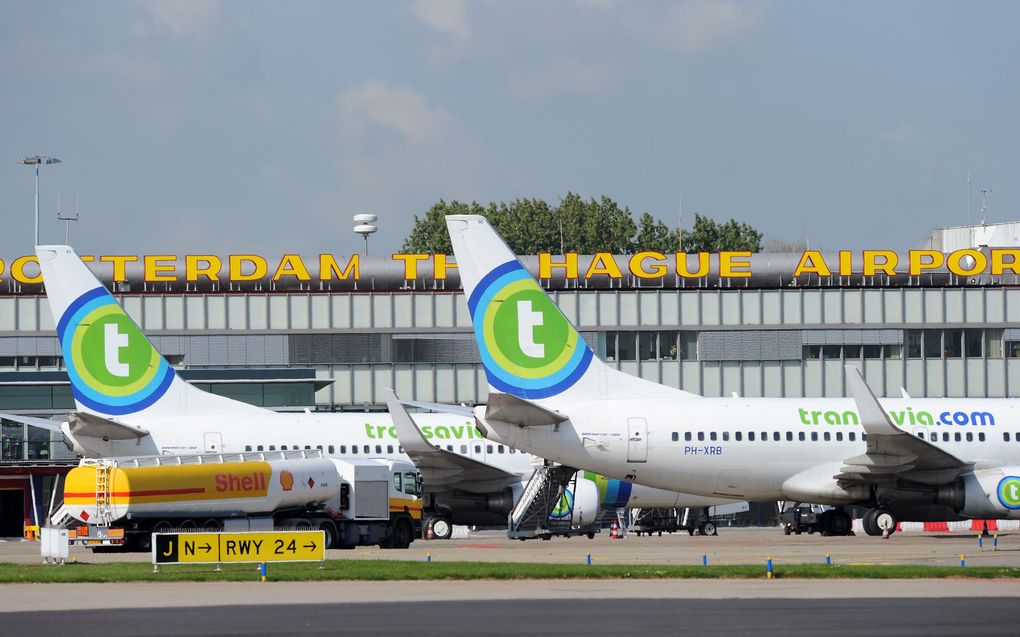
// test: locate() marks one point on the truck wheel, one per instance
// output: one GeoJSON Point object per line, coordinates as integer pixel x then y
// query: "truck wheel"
{"type": "Point", "coordinates": [329, 529]}
{"type": "Point", "coordinates": [403, 535]}
{"type": "Point", "coordinates": [441, 528]}
{"type": "Point", "coordinates": [708, 528]}
{"type": "Point", "coordinates": [836, 522]}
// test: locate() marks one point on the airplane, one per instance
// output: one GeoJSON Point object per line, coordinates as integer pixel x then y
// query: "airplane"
{"type": "Point", "coordinates": [131, 402]}
{"type": "Point", "coordinates": [549, 394]}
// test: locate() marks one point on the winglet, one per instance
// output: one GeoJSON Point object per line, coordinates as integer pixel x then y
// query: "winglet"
{"type": "Point", "coordinates": [874, 419]}
{"type": "Point", "coordinates": [411, 438]}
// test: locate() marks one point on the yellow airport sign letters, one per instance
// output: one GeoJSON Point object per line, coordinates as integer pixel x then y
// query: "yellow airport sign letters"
{"type": "Point", "coordinates": [221, 548]}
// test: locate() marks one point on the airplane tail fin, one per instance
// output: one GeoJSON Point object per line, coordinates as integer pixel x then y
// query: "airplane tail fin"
{"type": "Point", "coordinates": [528, 348]}
{"type": "Point", "coordinates": [114, 370]}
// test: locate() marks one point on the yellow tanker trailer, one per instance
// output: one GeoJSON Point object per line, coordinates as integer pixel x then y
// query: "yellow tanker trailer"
{"type": "Point", "coordinates": [124, 501]}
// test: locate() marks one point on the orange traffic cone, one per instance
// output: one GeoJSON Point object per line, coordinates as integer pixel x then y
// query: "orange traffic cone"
{"type": "Point", "coordinates": [614, 531]}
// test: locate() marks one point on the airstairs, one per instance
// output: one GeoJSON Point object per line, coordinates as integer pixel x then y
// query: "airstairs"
{"type": "Point", "coordinates": [533, 514]}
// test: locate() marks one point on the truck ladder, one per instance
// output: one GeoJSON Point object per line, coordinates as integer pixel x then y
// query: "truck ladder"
{"type": "Point", "coordinates": [531, 515]}
{"type": "Point", "coordinates": [104, 512]}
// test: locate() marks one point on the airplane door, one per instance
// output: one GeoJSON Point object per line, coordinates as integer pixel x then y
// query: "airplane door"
{"type": "Point", "coordinates": [637, 440]}
{"type": "Point", "coordinates": [213, 442]}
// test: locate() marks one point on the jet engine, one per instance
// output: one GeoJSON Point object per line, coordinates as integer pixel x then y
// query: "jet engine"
{"type": "Point", "coordinates": [579, 502]}
{"type": "Point", "coordinates": [992, 493]}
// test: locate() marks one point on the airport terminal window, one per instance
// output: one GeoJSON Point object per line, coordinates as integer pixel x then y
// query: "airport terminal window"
{"type": "Point", "coordinates": [650, 345]}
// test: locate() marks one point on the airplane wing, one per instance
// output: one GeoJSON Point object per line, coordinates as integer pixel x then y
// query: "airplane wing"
{"type": "Point", "coordinates": [891, 452]}
{"type": "Point", "coordinates": [43, 423]}
{"type": "Point", "coordinates": [436, 465]}
{"type": "Point", "coordinates": [457, 410]}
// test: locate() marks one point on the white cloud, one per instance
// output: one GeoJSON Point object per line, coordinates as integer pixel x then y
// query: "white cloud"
{"type": "Point", "coordinates": [179, 17]}
{"type": "Point", "coordinates": [375, 104]}
{"type": "Point", "coordinates": [448, 16]}
{"type": "Point", "coordinates": [560, 75]}
{"type": "Point", "coordinates": [903, 133]}
{"type": "Point", "coordinates": [696, 26]}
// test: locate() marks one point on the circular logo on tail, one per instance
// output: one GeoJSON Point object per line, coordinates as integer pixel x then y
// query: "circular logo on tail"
{"type": "Point", "coordinates": [1009, 492]}
{"type": "Point", "coordinates": [112, 367]}
{"type": "Point", "coordinates": [526, 345]}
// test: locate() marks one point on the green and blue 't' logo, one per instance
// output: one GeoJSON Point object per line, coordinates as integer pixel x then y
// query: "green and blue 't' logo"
{"type": "Point", "coordinates": [1009, 492]}
{"type": "Point", "coordinates": [112, 367]}
{"type": "Point", "coordinates": [527, 347]}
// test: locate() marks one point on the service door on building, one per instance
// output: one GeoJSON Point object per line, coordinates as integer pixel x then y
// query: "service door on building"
{"type": "Point", "coordinates": [213, 442]}
{"type": "Point", "coordinates": [637, 440]}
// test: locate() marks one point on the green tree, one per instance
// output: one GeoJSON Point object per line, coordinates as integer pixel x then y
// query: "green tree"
{"type": "Point", "coordinates": [709, 236]}
{"type": "Point", "coordinates": [652, 234]}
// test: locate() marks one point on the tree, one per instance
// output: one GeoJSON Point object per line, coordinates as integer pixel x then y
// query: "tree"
{"type": "Point", "coordinates": [710, 236]}
{"type": "Point", "coordinates": [585, 226]}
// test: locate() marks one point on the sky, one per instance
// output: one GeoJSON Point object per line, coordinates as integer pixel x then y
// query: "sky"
{"type": "Point", "coordinates": [215, 126]}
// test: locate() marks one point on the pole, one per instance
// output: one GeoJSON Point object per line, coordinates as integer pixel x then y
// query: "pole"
{"type": "Point", "coordinates": [36, 205]}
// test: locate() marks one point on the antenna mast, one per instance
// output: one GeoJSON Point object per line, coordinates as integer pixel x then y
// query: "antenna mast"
{"type": "Point", "coordinates": [67, 219]}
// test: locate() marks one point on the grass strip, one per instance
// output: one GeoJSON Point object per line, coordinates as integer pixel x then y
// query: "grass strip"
{"type": "Point", "coordinates": [383, 570]}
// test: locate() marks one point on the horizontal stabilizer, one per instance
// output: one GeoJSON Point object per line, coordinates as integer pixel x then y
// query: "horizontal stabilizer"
{"type": "Point", "coordinates": [42, 423]}
{"type": "Point", "coordinates": [437, 466]}
{"type": "Point", "coordinates": [83, 423]}
{"type": "Point", "coordinates": [520, 412]}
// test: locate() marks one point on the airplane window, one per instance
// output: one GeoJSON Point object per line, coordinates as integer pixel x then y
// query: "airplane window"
{"type": "Point", "coordinates": [764, 436]}
{"type": "Point", "coordinates": [463, 448]}
{"type": "Point", "coordinates": [449, 447]}
{"type": "Point", "coordinates": [1005, 436]}
{"type": "Point", "coordinates": [400, 449]}
{"type": "Point", "coordinates": [853, 436]}
{"type": "Point", "coordinates": [827, 436]}
{"type": "Point", "coordinates": [839, 436]}
{"type": "Point", "coordinates": [354, 448]}
{"type": "Point", "coordinates": [259, 448]}
{"type": "Point", "coordinates": [981, 436]}
{"type": "Point", "coordinates": [934, 437]}
{"type": "Point", "coordinates": [802, 436]}
{"type": "Point", "coordinates": [389, 448]}
{"type": "Point", "coordinates": [957, 437]}
{"type": "Point", "coordinates": [920, 434]}
{"type": "Point", "coordinates": [331, 450]}
{"type": "Point", "coordinates": [478, 448]}
{"type": "Point", "coordinates": [701, 435]}
{"type": "Point", "coordinates": [512, 450]}
{"type": "Point", "coordinates": [814, 436]}
{"type": "Point", "coordinates": [310, 446]}
{"type": "Point", "coordinates": [499, 448]}
{"type": "Point", "coordinates": [712, 435]}
{"type": "Point", "coordinates": [970, 437]}
{"type": "Point", "coordinates": [945, 436]}
{"type": "Point", "coordinates": [676, 437]}
{"type": "Point", "coordinates": [750, 436]}
{"type": "Point", "coordinates": [272, 447]}
{"type": "Point", "coordinates": [378, 448]}
{"type": "Point", "coordinates": [789, 436]}
{"type": "Point", "coordinates": [488, 448]}
{"type": "Point", "coordinates": [738, 435]}
{"type": "Point", "coordinates": [725, 436]}
{"type": "Point", "coordinates": [247, 447]}
{"type": "Point", "coordinates": [864, 437]}
{"type": "Point", "coordinates": [775, 436]}
{"type": "Point", "coordinates": [366, 449]}
{"type": "Point", "coordinates": [687, 436]}
{"type": "Point", "coordinates": [283, 447]}
{"type": "Point", "coordinates": [343, 449]}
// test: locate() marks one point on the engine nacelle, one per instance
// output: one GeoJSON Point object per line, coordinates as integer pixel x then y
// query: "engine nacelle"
{"type": "Point", "coordinates": [579, 502]}
{"type": "Point", "coordinates": [992, 493]}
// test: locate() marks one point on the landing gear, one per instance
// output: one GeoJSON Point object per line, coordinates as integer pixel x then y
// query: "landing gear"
{"type": "Point", "coordinates": [879, 522]}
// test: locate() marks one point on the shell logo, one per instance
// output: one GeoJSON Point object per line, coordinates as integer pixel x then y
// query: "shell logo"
{"type": "Point", "coordinates": [286, 480]}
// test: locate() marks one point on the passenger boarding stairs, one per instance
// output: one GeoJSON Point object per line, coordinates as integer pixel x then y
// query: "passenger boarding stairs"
{"type": "Point", "coordinates": [532, 515]}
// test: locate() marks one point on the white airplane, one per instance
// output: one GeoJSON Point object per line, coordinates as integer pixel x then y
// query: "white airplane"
{"type": "Point", "coordinates": [904, 459]}
{"type": "Point", "coordinates": [131, 402]}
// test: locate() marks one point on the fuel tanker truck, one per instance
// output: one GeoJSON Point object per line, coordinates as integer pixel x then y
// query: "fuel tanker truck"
{"type": "Point", "coordinates": [123, 501]}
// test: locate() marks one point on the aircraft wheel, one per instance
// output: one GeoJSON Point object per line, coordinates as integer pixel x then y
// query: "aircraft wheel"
{"type": "Point", "coordinates": [836, 522]}
{"type": "Point", "coordinates": [885, 520]}
{"type": "Point", "coordinates": [441, 528]}
{"type": "Point", "coordinates": [868, 522]}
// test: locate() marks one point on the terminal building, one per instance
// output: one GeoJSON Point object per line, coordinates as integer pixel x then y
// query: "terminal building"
{"type": "Point", "coordinates": [333, 332]}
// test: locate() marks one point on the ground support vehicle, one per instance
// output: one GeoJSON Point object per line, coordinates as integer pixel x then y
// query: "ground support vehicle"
{"type": "Point", "coordinates": [121, 502]}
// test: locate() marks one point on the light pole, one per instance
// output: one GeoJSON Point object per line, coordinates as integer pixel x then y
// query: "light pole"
{"type": "Point", "coordinates": [364, 224]}
{"type": "Point", "coordinates": [38, 160]}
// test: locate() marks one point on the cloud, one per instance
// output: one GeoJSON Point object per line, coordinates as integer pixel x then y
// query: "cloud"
{"type": "Point", "coordinates": [697, 26]}
{"type": "Point", "coordinates": [375, 105]}
{"type": "Point", "coordinates": [179, 17]}
{"type": "Point", "coordinates": [560, 75]}
{"type": "Point", "coordinates": [448, 16]}
{"type": "Point", "coordinates": [902, 134]}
